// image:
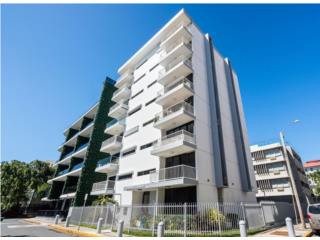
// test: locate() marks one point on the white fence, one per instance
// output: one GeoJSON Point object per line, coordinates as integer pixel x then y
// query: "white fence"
{"type": "Point", "coordinates": [199, 219]}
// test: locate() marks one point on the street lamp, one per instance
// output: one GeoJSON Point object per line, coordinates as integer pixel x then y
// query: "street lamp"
{"type": "Point", "coordinates": [293, 184]}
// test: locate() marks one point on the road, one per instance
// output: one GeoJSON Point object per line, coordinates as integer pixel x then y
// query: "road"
{"type": "Point", "coordinates": [20, 228]}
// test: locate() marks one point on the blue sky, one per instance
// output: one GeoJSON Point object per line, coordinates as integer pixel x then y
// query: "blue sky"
{"type": "Point", "coordinates": [55, 58]}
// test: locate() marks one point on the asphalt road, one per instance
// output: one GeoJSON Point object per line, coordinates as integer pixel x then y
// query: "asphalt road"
{"type": "Point", "coordinates": [19, 228]}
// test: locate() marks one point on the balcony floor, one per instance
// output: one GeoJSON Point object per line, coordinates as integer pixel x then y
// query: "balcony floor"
{"type": "Point", "coordinates": [115, 129]}
{"type": "Point", "coordinates": [178, 71]}
{"type": "Point", "coordinates": [177, 94]}
{"type": "Point", "coordinates": [173, 148]}
{"type": "Point", "coordinates": [177, 182]}
{"type": "Point", "coordinates": [102, 192]}
{"type": "Point", "coordinates": [108, 168]}
{"type": "Point", "coordinates": [175, 119]}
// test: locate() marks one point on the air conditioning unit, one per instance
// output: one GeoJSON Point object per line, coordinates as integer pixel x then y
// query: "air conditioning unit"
{"type": "Point", "coordinates": [276, 172]}
{"type": "Point", "coordinates": [273, 158]}
{"type": "Point", "coordinates": [280, 189]}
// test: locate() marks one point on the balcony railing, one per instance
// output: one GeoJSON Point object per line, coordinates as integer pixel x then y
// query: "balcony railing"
{"type": "Point", "coordinates": [114, 121]}
{"type": "Point", "coordinates": [173, 31]}
{"type": "Point", "coordinates": [125, 77]}
{"type": "Point", "coordinates": [176, 136]}
{"type": "Point", "coordinates": [111, 140]}
{"type": "Point", "coordinates": [107, 160]}
{"type": "Point", "coordinates": [87, 125]}
{"type": "Point", "coordinates": [170, 110]}
{"type": "Point", "coordinates": [185, 59]}
{"type": "Point", "coordinates": [102, 186]}
{"type": "Point", "coordinates": [121, 103]}
{"type": "Point", "coordinates": [170, 173]}
{"type": "Point", "coordinates": [77, 166]}
{"type": "Point", "coordinates": [81, 147]}
{"type": "Point", "coordinates": [118, 91]}
{"type": "Point", "coordinates": [173, 46]}
{"type": "Point", "coordinates": [63, 172]}
{"type": "Point", "coordinates": [184, 81]}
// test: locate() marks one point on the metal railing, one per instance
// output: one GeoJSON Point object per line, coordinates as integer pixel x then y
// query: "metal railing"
{"type": "Point", "coordinates": [170, 173]}
{"type": "Point", "coordinates": [104, 185]}
{"type": "Point", "coordinates": [77, 166]}
{"type": "Point", "coordinates": [114, 121]}
{"type": "Point", "coordinates": [179, 135]}
{"type": "Point", "coordinates": [107, 160]}
{"type": "Point", "coordinates": [189, 219]}
{"type": "Point", "coordinates": [173, 46]}
{"type": "Point", "coordinates": [181, 59]}
{"type": "Point", "coordinates": [175, 108]}
{"type": "Point", "coordinates": [184, 81]}
{"type": "Point", "coordinates": [122, 104]}
{"type": "Point", "coordinates": [63, 172]}
{"type": "Point", "coordinates": [119, 90]}
{"type": "Point", "coordinates": [127, 75]}
{"type": "Point", "coordinates": [112, 140]}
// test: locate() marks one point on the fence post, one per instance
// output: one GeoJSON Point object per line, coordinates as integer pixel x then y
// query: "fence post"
{"type": "Point", "coordinates": [290, 227]}
{"type": "Point", "coordinates": [99, 225]}
{"type": "Point", "coordinates": [114, 216]}
{"type": "Point", "coordinates": [67, 223]}
{"type": "Point", "coordinates": [263, 216]}
{"type": "Point", "coordinates": [218, 216]}
{"type": "Point", "coordinates": [120, 228]}
{"type": "Point", "coordinates": [154, 218]}
{"type": "Point", "coordinates": [243, 230]}
{"type": "Point", "coordinates": [160, 230]}
{"type": "Point", "coordinates": [185, 219]}
{"type": "Point", "coordinates": [56, 220]}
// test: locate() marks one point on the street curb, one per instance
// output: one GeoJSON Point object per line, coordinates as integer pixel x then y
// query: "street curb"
{"type": "Point", "coordinates": [73, 232]}
{"type": "Point", "coordinates": [70, 231]}
{"type": "Point", "coordinates": [308, 234]}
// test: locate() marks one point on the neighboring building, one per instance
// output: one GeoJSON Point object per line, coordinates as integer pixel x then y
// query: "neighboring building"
{"type": "Point", "coordinates": [271, 172]}
{"type": "Point", "coordinates": [179, 132]}
{"type": "Point", "coordinates": [309, 167]}
{"type": "Point", "coordinates": [80, 152]}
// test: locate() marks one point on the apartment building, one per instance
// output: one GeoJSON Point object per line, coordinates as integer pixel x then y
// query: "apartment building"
{"type": "Point", "coordinates": [80, 152]}
{"type": "Point", "coordinates": [310, 167]}
{"type": "Point", "coordinates": [271, 172]}
{"type": "Point", "coordinates": [178, 129]}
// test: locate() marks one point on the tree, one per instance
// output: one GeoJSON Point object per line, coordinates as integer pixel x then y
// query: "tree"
{"type": "Point", "coordinates": [104, 200]}
{"type": "Point", "coordinates": [315, 176]}
{"type": "Point", "coordinates": [14, 184]}
{"type": "Point", "coordinates": [18, 178]}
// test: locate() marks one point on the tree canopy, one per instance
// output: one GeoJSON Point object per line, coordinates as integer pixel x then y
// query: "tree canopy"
{"type": "Point", "coordinates": [18, 178]}
{"type": "Point", "coordinates": [315, 176]}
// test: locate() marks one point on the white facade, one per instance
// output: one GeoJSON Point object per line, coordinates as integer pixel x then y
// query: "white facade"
{"type": "Point", "coordinates": [272, 176]}
{"type": "Point", "coordinates": [175, 95]}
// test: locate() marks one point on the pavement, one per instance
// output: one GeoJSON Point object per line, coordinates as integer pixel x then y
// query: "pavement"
{"type": "Point", "coordinates": [18, 227]}
{"type": "Point", "coordinates": [283, 232]}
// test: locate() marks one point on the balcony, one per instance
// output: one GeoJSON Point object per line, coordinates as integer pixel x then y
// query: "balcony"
{"type": "Point", "coordinates": [75, 171]}
{"type": "Point", "coordinates": [115, 127]}
{"type": "Point", "coordinates": [108, 165]}
{"type": "Point", "coordinates": [180, 48]}
{"type": "Point", "coordinates": [103, 188]}
{"type": "Point", "coordinates": [79, 152]}
{"type": "Point", "coordinates": [121, 94]}
{"type": "Point", "coordinates": [119, 110]}
{"type": "Point", "coordinates": [176, 92]}
{"type": "Point", "coordinates": [176, 176]}
{"type": "Point", "coordinates": [112, 145]}
{"type": "Point", "coordinates": [124, 80]}
{"type": "Point", "coordinates": [176, 143]}
{"type": "Point", "coordinates": [179, 33]}
{"type": "Point", "coordinates": [173, 116]}
{"type": "Point", "coordinates": [275, 191]}
{"type": "Point", "coordinates": [69, 192]}
{"type": "Point", "coordinates": [272, 174]}
{"type": "Point", "coordinates": [179, 67]}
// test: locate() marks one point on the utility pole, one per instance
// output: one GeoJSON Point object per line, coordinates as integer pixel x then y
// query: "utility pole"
{"type": "Point", "coordinates": [293, 183]}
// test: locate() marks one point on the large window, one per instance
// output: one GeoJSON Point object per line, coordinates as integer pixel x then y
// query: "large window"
{"type": "Point", "coordinates": [183, 159]}
{"type": "Point", "coordinates": [181, 195]}
{"type": "Point", "coordinates": [187, 127]}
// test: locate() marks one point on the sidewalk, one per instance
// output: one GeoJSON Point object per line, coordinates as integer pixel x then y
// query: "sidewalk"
{"type": "Point", "coordinates": [72, 229]}
{"type": "Point", "coordinates": [282, 231]}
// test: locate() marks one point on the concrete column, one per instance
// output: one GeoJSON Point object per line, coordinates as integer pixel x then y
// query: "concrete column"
{"type": "Point", "coordinates": [243, 229]}
{"type": "Point", "coordinates": [99, 225]}
{"type": "Point", "coordinates": [120, 228]}
{"type": "Point", "coordinates": [290, 227]}
{"type": "Point", "coordinates": [67, 223]}
{"type": "Point", "coordinates": [160, 230]}
{"type": "Point", "coordinates": [56, 220]}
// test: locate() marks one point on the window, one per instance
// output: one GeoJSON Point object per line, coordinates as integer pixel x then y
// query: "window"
{"type": "Point", "coordinates": [154, 82]}
{"type": "Point", "coordinates": [131, 131]}
{"type": "Point", "coordinates": [146, 172]}
{"type": "Point", "coordinates": [148, 122]}
{"type": "Point", "coordinates": [137, 94]}
{"type": "Point", "coordinates": [125, 176]}
{"type": "Point", "coordinates": [147, 145]}
{"type": "Point", "coordinates": [151, 101]}
{"type": "Point", "coordinates": [129, 151]}
{"type": "Point", "coordinates": [134, 110]}
{"type": "Point", "coordinates": [154, 67]}
{"type": "Point", "coordinates": [139, 78]}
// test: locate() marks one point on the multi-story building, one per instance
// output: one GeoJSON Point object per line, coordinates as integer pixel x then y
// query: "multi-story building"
{"type": "Point", "coordinates": [310, 167]}
{"type": "Point", "coordinates": [80, 152]}
{"type": "Point", "coordinates": [179, 132]}
{"type": "Point", "coordinates": [273, 178]}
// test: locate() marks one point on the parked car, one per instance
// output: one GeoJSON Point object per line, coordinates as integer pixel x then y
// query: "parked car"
{"type": "Point", "coordinates": [314, 217]}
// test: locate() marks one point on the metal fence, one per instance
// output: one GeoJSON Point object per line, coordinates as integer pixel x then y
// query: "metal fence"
{"type": "Point", "coordinates": [198, 219]}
